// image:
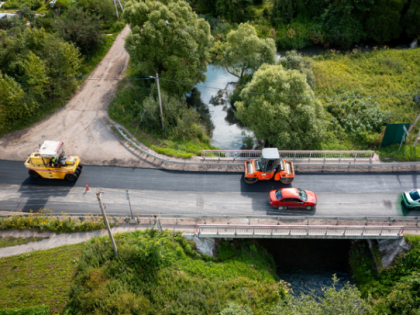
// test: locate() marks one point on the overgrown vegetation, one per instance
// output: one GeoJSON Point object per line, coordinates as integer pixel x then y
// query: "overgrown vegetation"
{"type": "Point", "coordinates": [395, 290]}
{"type": "Point", "coordinates": [41, 221]}
{"type": "Point", "coordinates": [14, 241]}
{"type": "Point", "coordinates": [36, 278]}
{"type": "Point", "coordinates": [161, 273]}
{"type": "Point", "coordinates": [44, 58]}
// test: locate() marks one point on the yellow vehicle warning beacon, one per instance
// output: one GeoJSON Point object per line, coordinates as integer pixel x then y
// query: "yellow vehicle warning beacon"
{"type": "Point", "coordinates": [51, 162]}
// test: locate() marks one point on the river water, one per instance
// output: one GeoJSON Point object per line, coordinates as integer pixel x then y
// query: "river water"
{"type": "Point", "coordinates": [211, 100]}
{"type": "Point", "coordinates": [310, 264]}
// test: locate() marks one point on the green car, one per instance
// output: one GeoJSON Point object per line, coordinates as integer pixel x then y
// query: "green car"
{"type": "Point", "coordinates": [411, 199]}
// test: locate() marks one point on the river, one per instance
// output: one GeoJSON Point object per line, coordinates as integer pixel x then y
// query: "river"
{"type": "Point", "coordinates": [309, 264]}
{"type": "Point", "coordinates": [211, 100]}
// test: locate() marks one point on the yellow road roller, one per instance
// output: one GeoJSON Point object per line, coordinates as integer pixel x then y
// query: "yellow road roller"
{"type": "Point", "coordinates": [50, 161]}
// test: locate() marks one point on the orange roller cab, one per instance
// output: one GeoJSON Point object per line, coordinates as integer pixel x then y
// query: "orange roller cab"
{"type": "Point", "coordinates": [269, 166]}
{"type": "Point", "coordinates": [50, 161]}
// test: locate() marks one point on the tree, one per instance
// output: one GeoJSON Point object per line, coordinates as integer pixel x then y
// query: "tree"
{"type": "Point", "coordinates": [35, 75]}
{"type": "Point", "coordinates": [244, 51]}
{"type": "Point", "coordinates": [295, 61]}
{"type": "Point", "coordinates": [169, 39]}
{"type": "Point", "coordinates": [234, 11]}
{"type": "Point", "coordinates": [384, 23]}
{"type": "Point", "coordinates": [80, 28]}
{"type": "Point", "coordinates": [11, 99]}
{"type": "Point", "coordinates": [104, 9]}
{"type": "Point", "coordinates": [279, 106]}
{"type": "Point", "coordinates": [412, 19]}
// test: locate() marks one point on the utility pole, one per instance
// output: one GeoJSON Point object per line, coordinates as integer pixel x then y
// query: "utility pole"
{"type": "Point", "coordinates": [160, 100]}
{"type": "Point", "coordinates": [98, 195]}
{"type": "Point", "coordinates": [116, 9]}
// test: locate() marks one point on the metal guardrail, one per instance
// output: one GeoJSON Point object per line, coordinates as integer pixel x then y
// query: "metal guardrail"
{"type": "Point", "coordinates": [335, 156]}
{"type": "Point", "coordinates": [215, 162]}
{"type": "Point", "coordinates": [299, 231]}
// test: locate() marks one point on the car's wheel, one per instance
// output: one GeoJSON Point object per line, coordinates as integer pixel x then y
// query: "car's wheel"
{"type": "Point", "coordinates": [308, 208]}
{"type": "Point", "coordinates": [33, 174]}
{"type": "Point", "coordinates": [71, 177]}
{"type": "Point", "coordinates": [282, 208]}
{"type": "Point", "coordinates": [80, 165]}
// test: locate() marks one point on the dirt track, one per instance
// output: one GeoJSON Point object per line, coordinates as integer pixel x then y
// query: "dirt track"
{"type": "Point", "coordinates": [83, 123]}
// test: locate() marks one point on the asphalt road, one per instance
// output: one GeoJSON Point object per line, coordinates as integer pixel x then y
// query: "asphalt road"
{"type": "Point", "coordinates": [208, 193]}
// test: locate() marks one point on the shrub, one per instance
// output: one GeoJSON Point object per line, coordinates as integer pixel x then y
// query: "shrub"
{"type": "Point", "coordinates": [32, 310]}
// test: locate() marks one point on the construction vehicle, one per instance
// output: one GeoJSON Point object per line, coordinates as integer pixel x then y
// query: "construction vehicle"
{"type": "Point", "coordinates": [50, 161]}
{"type": "Point", "coordinates": [269, 166]}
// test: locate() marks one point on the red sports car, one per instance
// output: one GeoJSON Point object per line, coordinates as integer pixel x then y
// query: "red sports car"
{"type": "Point", "coordinates": [292, 198]}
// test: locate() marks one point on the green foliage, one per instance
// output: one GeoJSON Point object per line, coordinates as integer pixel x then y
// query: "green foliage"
{"type": "Point", "coordinates": [235, 309]}
{"type": "Point", "coordinates": [244, 52]}
{"type": "Point", "coordinates": [394, 153]}
{"type": "Point", "coordinates": [31, 310]}
{"type": "Point", "coordinates": [80, 28]}
{"type": "Point", "coordinates": [383, 23]}
{"type": "Point", "coordinates": [17, 4]}
{"type": "Point", "coordinates": [269, 107]}
{"type": "Point", "coordinates": [354, 117]}
{"type": "Point", "coordinates": [295, 35]}
{"type": "Point", "coordinates": [160, 273]}
{"type": "Point", "coordinates": [103, 9]}
{"type": "Point", "coordinates": [11, 100]}
{"type": "Point", "coordinates": [347, 300]}
{"type": "Point", "coordinates": [137, 109]}
{"type": "Point", "coordinates": [38, 278]}
{"type": "Point", "coordinates": [295, 61]}
{"type": "Point", "coordinates": [238, 11]}
{"type": "Point", "coordinates": [169, 39]}
{"type": "Point", "coordinates": [342, 25]}
{"type": "Point", "coordinates": [412, 19]}
{"type": "Point", "coordinates": [396, 289]}
{"type": "Point", "coordinates": [42, 222]}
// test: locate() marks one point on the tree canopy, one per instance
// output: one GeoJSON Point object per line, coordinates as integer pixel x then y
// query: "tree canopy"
{"type": "Point", "coordinates": [244, 51]}
{"type": "Point", "coordinates": [168, 38]}
{"type": "Point", "coordinates": [279, 106]}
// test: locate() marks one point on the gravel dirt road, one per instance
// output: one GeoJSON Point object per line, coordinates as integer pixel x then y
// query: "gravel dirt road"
{"type": "Point", "coordinates": [83, 124]}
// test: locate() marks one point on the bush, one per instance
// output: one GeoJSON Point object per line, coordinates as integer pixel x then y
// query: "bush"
{"type": "Point", "coordinates": [80, 28]}
{"type": "Point", "coordinates": [32, 310]}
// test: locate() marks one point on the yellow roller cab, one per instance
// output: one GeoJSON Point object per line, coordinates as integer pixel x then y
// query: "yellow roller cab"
{"type": "Point", "coordinates": [50, 161]}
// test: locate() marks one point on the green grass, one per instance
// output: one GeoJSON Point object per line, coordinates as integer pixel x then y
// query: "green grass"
{"type": "Point", "coordinates": [124, 109]}
{"type": "Point", "coordinates": [13, 241]}
{"type": "Point", "coordinates": [40, 277]}
{"type": "Point", "coordinates": [161, 273]}
{"type": "Point", "coordinates": [382, 72]}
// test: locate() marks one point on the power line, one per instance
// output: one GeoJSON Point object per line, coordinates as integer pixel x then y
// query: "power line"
{"type": "Point", "coordinates": [273, 94]}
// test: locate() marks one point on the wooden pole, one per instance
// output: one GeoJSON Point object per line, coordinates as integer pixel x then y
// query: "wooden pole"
{"type": "Point", "coordinates": [98, 195]}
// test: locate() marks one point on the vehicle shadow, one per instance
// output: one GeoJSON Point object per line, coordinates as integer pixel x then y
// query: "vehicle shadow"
{"type": "Point", "coordinates": [34, 198]}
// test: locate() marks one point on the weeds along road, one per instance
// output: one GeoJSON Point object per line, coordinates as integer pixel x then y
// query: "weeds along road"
{"type": "Point", "coordinates": [200, 193]}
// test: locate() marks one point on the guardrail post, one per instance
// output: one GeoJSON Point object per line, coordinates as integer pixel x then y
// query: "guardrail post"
{"type": "Point", "coordinates": [340, 157]}
{"type": "Point", "coordinates": [337, 221]}
{"type": "Point", "coordinates": [345, 229]}
{"type": "Point", "coordinates": [367, 221]}
{"type": "Point", "coordinates": [235, 230]}
{"type": "Point", "coordinates": [271, 231]}
{"type": "Point", "coordinates": [249, 221]}
{"type": "Point", "coordinates": [380, 234]}
{"type": "Point", "coordinates": [310, 153]}
{"type": "Point", "coordinates": [217, 230]}
{"type": "Point", "coordinates": [326, 231]}
{"type": "Point", "coordinates": [176, 220]}
{"type": "Point", "coordinates": [417, 224]}
{"type": "Point", "coordinates": [278, 221]}
{"type": "Point", "coordinates": [363, 232]}
{"type": "Point", "coordinates": [355, 156]}
{"type": "Point", "coordinates": [294, 157]}
{"type": "Point", "coordinates": [307, 221]}
{"type": "Point", "coordinates": [253, 230]}
{"type": "Point", "coordinates": [290, 231]}
{"type": "Point", "coordinates": [150, 219]}
{"type": "Point", "coordinates": [307, 233]}
{"type": "Point", "coordinates": [228, 221]}
{"type": "Point", "coordinates": [390, 221]}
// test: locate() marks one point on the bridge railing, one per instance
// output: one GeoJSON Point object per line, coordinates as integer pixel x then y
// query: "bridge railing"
{"type": "Point", "coordinates": [298, 231]}
{"type": "Point", "coordinates": [301, 156]}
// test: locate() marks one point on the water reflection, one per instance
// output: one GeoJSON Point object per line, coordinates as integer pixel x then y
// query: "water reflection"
{"type": "Point", "coordinates": [211, 99]}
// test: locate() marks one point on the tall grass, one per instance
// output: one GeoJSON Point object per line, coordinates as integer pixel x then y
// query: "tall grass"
{"type": "Point", "coordinates": [161, 273]}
